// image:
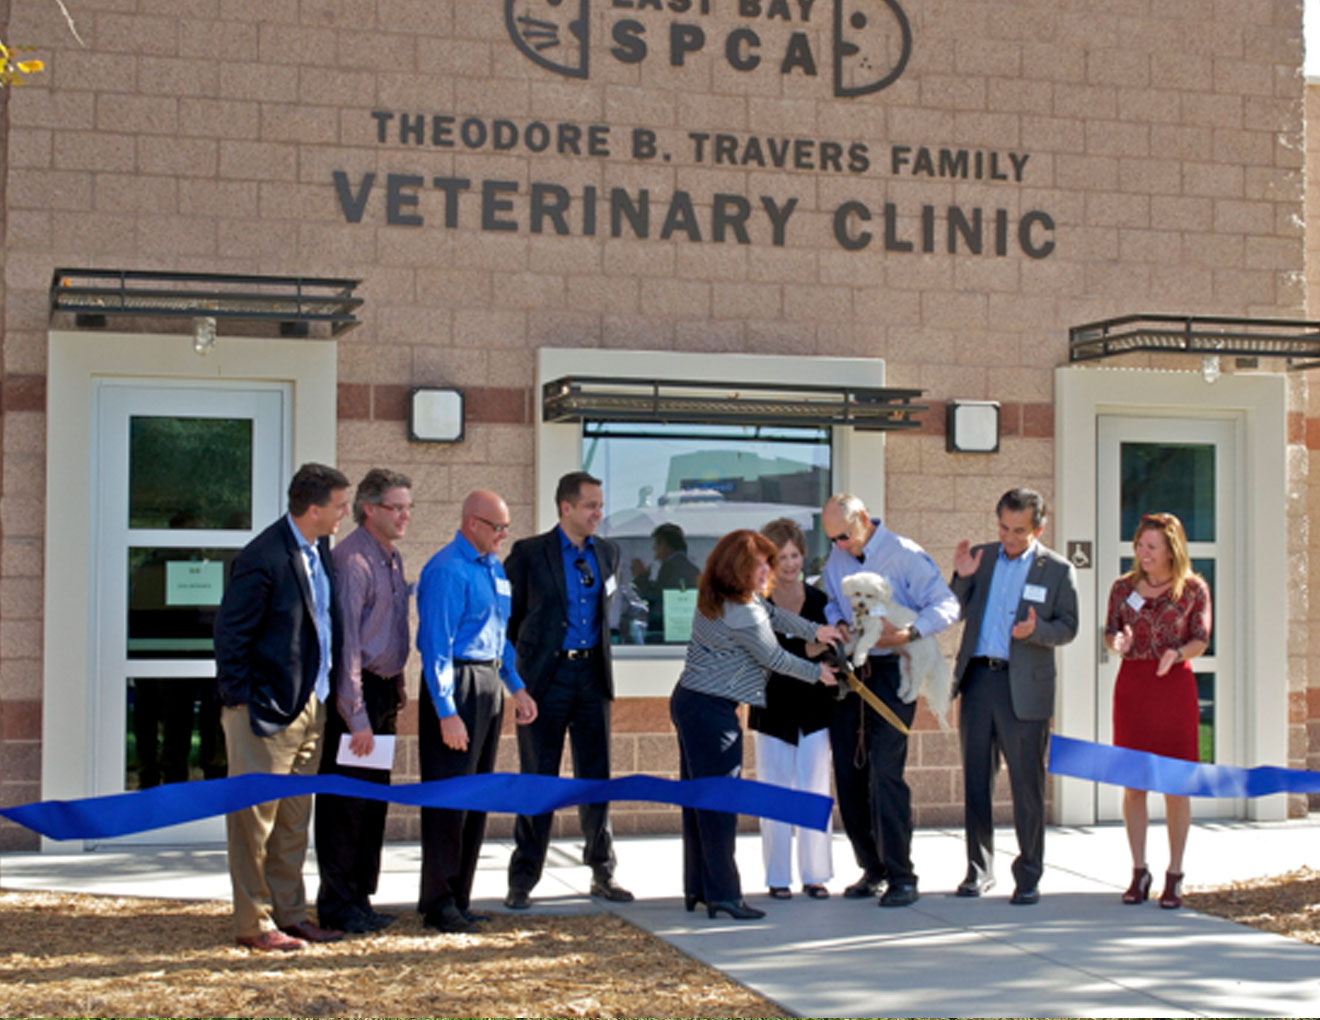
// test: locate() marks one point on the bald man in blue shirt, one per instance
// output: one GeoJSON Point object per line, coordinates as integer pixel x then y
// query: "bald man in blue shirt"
{"type": "Point", "coordinates": [463, 605]}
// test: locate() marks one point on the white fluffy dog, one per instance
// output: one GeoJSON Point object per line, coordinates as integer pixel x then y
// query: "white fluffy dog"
{"type": "Point", "coordinates": [923, 667]}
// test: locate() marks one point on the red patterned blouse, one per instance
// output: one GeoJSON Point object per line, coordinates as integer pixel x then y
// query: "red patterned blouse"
{"type": "Point", "coordinates": [1159, 623]}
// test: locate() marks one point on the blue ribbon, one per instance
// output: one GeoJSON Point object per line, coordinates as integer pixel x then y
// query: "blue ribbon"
{"type": "Point", "coordinates": [1140, 770]}
{"type": "Point", "coordinates": [122, 813]}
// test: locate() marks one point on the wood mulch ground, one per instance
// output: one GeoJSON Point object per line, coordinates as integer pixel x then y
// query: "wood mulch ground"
{"type": "Point", "coordinates": [1286, 904]}
{"type": "Point", "coordinates": [92, 956]}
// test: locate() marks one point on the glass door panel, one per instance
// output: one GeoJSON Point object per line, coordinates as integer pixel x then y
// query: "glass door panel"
{"type": "Point", "coordinates": [187, 474]}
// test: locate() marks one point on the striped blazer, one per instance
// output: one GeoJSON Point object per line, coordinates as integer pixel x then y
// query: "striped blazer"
{"type": "Point", "coordinates": [732, 656]}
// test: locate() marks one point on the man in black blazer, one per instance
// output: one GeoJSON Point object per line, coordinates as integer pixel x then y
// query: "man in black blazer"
{"type": "Point", "coordinates": [1020, 603]}
{"type": "Point", "coordinates": [277, 639]}
{"type": "Point", "coordinates": [563, 581]}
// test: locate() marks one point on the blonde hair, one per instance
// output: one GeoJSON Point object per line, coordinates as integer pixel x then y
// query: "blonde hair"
{"type": "Point", "coordinates": [1175, 538]}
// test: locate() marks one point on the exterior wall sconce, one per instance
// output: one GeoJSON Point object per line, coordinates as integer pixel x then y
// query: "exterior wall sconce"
{"type": "Point", "coordinates": [203, 334]}
{"type": "Point", "coordinates": [972, 426]}
{"type": "Point", "coordinates": [435, 415]}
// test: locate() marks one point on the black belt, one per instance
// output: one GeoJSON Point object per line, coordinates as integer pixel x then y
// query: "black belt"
{"type": "Point", "coordinates": [476, 662]}
{"type": "Point", "coordinates": [572, 654]}
{"type": "Point", "coordinates": [368, 674]}
{"type": "Point", "coordinates": [1000, 665]}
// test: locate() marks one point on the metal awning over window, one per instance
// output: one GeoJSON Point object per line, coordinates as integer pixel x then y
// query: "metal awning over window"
{"type": "Point", "coordinates": [597, 398]}
{"type": "Point", "coordinates": [1298, 340]}
{"type": "Point", "coordinates": [292, 303]}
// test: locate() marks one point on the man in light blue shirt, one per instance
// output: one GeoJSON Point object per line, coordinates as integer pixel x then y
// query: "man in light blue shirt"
{"type": "Point", "coordinates": [1020, 602]}
{"type": "Point", "coordinates": [874, 800]}
{"type": "Point", "coordinates": [463, 605]}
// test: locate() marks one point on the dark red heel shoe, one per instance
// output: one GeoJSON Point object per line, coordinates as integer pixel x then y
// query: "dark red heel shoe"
{"type": "Point", "coordinates": [1171, 898]}
{"type": "Point", "coordinates": [1139, 890]}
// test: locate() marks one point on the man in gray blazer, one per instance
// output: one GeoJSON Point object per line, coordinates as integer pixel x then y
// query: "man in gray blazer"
{"type": "Point", "coordinates": [1020, 602]}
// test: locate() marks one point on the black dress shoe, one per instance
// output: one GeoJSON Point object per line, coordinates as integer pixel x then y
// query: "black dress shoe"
{"type": "Point", "coordinates": [518, 899]}
{"type": "Point", "coordinates": [608, 889]}
{"type": "Point", "coordinates": [736, 909]}
{"type": "Point", "coordinates": [1026, 897]}
{"type": "Point", "coordinates": [380, 921]}
{"type": "Point", "coordinates": [691, 902]}
{"type": "Point", "coordinates": [900, 895]}
{"type": "Point", "coordinates": [353, 921]}
{"type": "Point", "coordinates": [472, 918]}
{"type": "Point", "coordinates": [448, 919]}
{"type": "Point", "coordinates": [975, 885]}
{"type": "Point", "coordinates": [863, 887]}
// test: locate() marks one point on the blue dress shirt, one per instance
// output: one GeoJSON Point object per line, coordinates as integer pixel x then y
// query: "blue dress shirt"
{"type": "Point", "coordinates": [583, 601]}
{"type": "Point", "coordinates": [914, 576]}
{"type": "Point", "coordinates": [1001, 603]}
{"type": "Point", "coordinates": [463, 605]}
{"type": "Point", "coordinates": [320, 582]}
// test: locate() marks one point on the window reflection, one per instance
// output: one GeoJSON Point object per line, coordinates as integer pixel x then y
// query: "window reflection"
{"type": "Point", "coordinates": [671, 492]}
{"type": "Point", "coordinates": [190, 473]}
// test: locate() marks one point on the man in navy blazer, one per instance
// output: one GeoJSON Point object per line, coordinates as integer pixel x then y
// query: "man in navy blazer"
{"type": "Point", "coordinates": [563, 581]}
{"type": "Point", "coordinates": [1020, 603]}
{"type": "Point", "coordinates": [276, 641]}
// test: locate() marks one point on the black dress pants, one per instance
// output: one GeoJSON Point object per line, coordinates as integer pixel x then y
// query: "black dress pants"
{"type": "Point", "coordinates": [869, 757]}
{"type": "Point", "coordinates": [451, 840]}
{"type": "Point", "coordinates": [989, 731]}
{"type": "Point", "coordinates": [710, 743]}
{"type": "Point", "coordinates": [573, 705]}
{"type": "Point", "coordinates": [350, 830]}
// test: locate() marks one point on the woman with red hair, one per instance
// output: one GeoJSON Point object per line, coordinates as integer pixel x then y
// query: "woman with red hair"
{"type": "Point", "coordinates": [1159, 617]}
{"type": "Point", "coordinates": [732, 651]}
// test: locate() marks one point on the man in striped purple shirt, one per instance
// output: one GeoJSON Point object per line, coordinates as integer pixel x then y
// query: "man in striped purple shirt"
{"type": "Point", "coordinates": [369, 693]}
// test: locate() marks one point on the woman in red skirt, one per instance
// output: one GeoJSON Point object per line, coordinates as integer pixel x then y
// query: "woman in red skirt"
{"type": "Point", "coordinates": [1159, 617]}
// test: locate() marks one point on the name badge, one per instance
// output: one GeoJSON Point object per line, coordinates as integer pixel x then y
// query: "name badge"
{"type": "Point", "coordinates": [503, 587]}
{"type": "Point", "coordinates": [1136, 602]}
{"type": "Point", "coordinates": [1034, 593]}
{"type": "Point", "coordinates": [611, 586]}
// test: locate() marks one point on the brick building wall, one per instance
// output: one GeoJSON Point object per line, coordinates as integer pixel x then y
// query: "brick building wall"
{"type": "Point", "coordinates": [1164, 142]}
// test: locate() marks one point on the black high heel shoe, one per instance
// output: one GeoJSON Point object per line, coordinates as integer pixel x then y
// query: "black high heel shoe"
{"type": "Point", "coordinates": [736, 909]}
{"type": "Point", "coordinates": [690, 902]}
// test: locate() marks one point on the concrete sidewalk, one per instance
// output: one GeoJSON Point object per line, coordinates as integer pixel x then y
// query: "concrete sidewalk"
{"type": "Point", "coordinates": [1079, 952]}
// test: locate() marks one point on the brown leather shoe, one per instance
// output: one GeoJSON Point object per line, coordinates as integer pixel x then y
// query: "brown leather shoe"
{"type": "Point", "coordinates": [311, 933]}
{"type": "Point", "coordinates": [272, 941]}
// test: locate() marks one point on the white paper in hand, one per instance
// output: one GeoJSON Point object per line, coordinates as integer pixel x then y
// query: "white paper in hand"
{"type": "Point", "coordinates": [381, 756]}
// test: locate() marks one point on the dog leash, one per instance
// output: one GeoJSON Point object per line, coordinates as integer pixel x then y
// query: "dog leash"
{"type": "Point", "coordinates": [844, 667]}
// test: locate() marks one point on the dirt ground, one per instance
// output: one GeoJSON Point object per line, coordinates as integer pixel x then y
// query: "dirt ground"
{"type": "Point", "coordinates": [76, 955]}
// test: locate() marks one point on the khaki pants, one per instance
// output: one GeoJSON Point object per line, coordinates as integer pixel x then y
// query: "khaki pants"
{"type": "Point", "coordinates": [268, 842]}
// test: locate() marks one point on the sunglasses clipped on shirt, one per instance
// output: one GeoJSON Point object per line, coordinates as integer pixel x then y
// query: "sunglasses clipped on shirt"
{"type": "Point", "coordinates": [584, 569]}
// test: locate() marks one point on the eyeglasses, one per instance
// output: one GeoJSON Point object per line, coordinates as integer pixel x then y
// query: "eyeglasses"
{"type": "Point", "coordinates": [584, 568]}
{"type": "Point", "coordinates": [397, 508]}
{"type": "Point", "coordinates": [1160, 520]}
{"type": "Point", "coordinates": [840, 538]}
{"type": "Point", "coordinates": [499, 529]}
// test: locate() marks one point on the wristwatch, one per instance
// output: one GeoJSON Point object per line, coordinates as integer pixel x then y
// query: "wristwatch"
{"type": "Point", "coordinates": [913, 633]}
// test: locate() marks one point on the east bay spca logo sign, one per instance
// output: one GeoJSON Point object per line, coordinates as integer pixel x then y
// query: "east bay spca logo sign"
{"type": "Point", "coordinates": [869, 45]}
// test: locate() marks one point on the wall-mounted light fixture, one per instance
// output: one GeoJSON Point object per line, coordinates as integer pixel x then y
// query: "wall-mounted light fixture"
{"type": "Point", "coordinates": [435, 415]}
{"type": "Point", "coordinates": [972, 426]}
{"type": "Point", "coordinates": [203, 334]}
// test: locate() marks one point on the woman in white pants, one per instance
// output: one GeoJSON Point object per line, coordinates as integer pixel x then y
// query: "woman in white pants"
{"type": "Point", "coordinates": [792, 730]}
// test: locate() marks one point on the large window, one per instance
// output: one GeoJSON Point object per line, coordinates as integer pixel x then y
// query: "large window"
{"type": "Point", "coordinates": [671, 492]}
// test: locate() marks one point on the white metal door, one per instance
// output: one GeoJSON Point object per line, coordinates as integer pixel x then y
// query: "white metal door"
{"type": "Point", "coordinates": [186, 475]}
{"type": "Point", "coordinates": [1185, 466]}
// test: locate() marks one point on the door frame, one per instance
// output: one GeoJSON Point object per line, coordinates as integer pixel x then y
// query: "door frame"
{"type": "Point", "coordinates": [1261, 400]}
{"type": "Point", "coordinates": [76, 362]}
